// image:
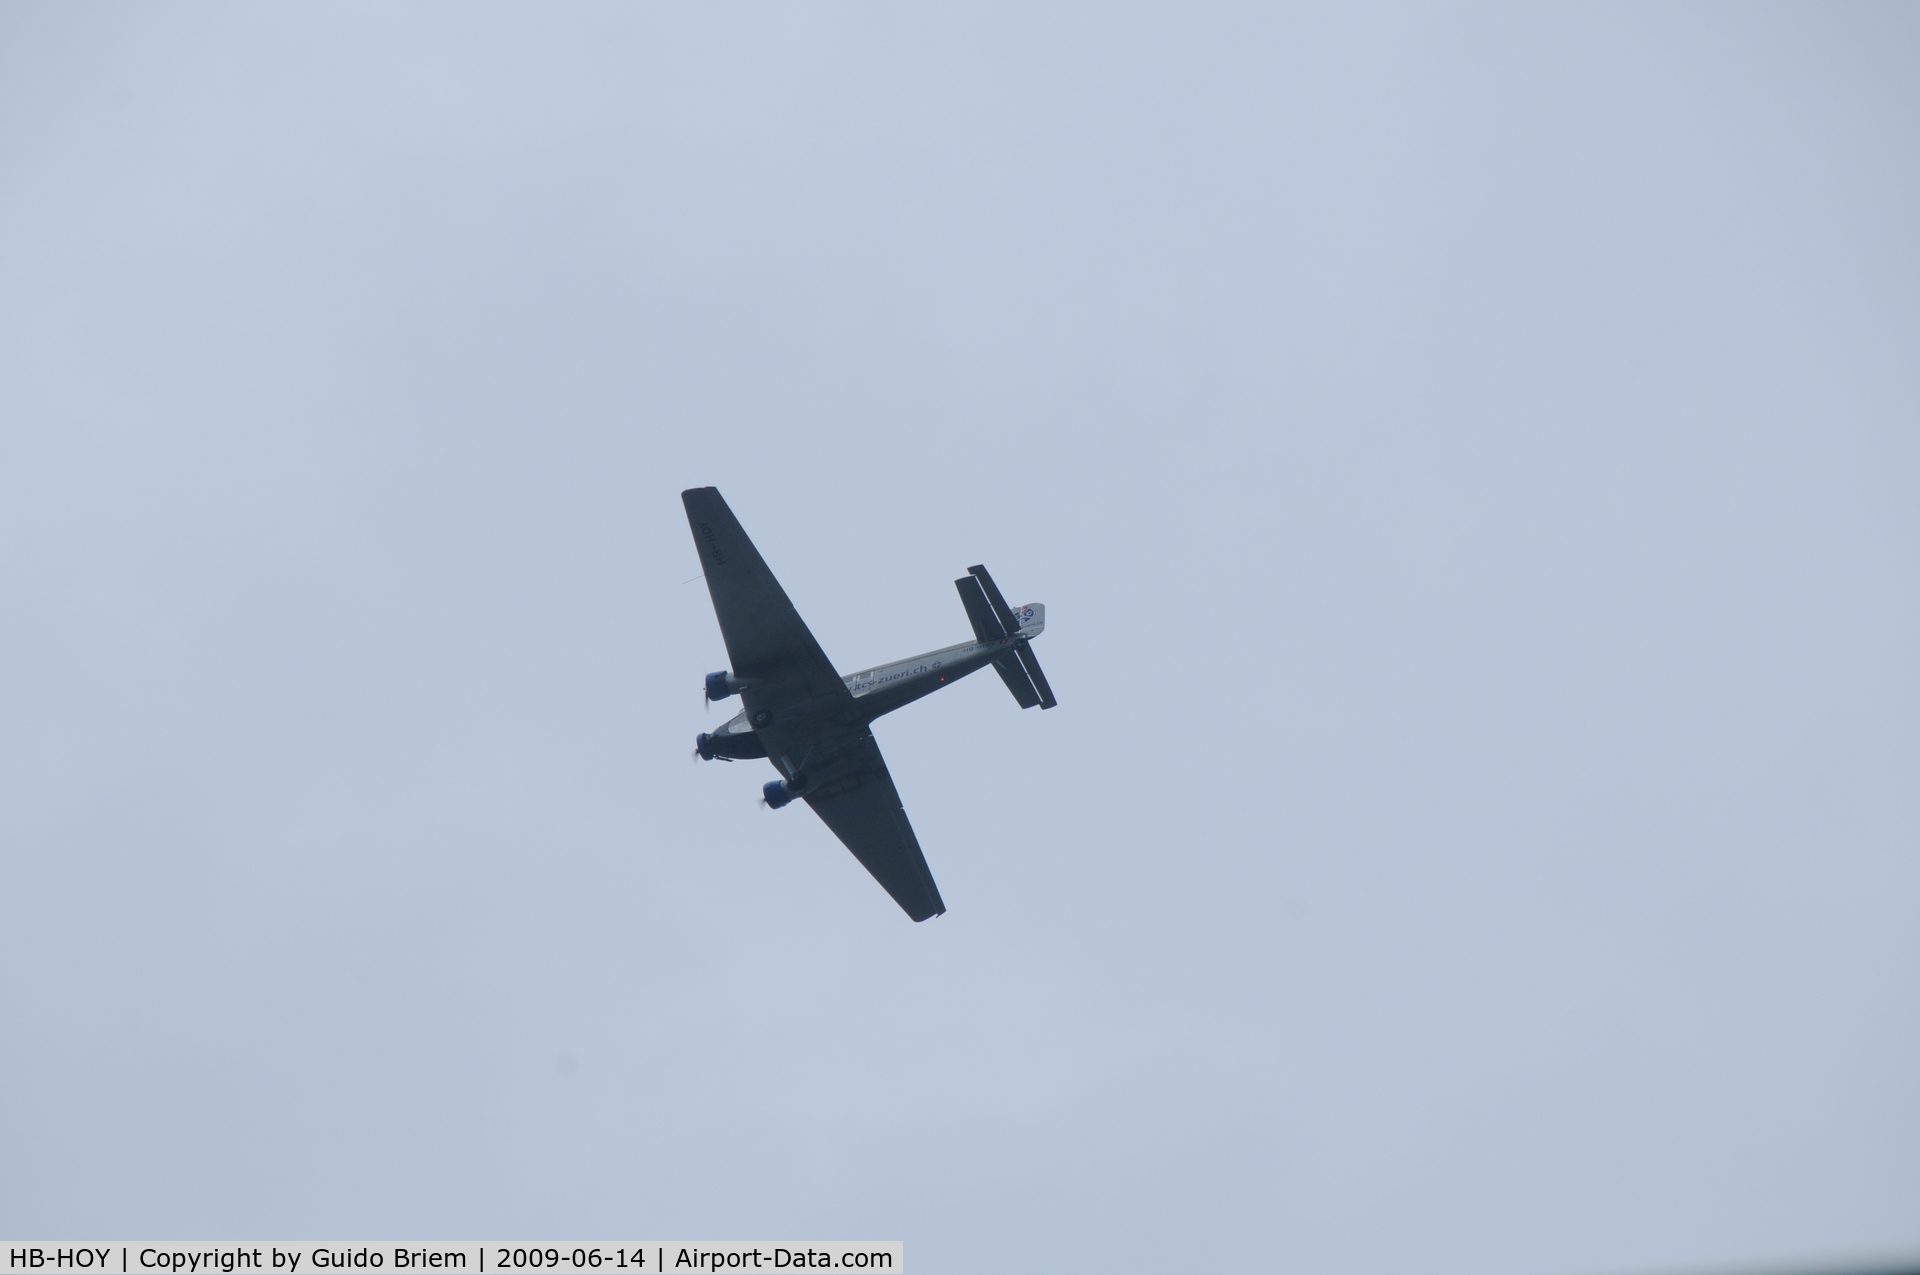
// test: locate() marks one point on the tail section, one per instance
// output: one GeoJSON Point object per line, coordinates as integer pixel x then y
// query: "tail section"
{"type": "Point", "coordinates": [1008, 667]}
{"type": "Point", "coordinates": [986, 625]}
{"type": "Point", "coordinates": [994, 621]}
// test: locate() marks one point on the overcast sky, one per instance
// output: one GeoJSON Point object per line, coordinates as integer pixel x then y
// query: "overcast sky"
{"type": "Point", "coordinates": [1470, 459]}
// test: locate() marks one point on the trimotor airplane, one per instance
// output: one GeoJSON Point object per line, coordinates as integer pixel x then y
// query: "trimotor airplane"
{"type": "Point", "coordinates": [815, 725]}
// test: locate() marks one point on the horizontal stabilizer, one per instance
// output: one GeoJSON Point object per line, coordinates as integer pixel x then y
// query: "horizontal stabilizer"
{"type": "Point", "coordinates": [1001, 611]}
{"type": "Point", "coordinates": [986, 626]}
{"type": "Point", "coordinates": [1008, 667]}
{"type": "Point", "coordinates": [1033, 671]}
{"type": "Point", "coordinates": [988, 629]}
{"type": "Point", "coordinates": [1024, 679]}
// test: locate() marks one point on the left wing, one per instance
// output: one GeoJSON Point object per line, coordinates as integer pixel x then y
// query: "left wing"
{"type": "Point", "coordinates": [849, 788]}
{"type": "Point", "coordinates": [767, 641]}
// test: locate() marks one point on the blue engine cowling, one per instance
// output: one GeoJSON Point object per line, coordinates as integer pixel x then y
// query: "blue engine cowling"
{"type": "Point", "coordinates": [717, 688]}
{"type": "Point", "coordinates": [779, 792]}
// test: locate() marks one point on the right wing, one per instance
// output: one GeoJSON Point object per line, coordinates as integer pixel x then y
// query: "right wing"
{"type": "Point", "coordinates": [767, 641]}
{"type": "Point", "coordinates": [849, 788]}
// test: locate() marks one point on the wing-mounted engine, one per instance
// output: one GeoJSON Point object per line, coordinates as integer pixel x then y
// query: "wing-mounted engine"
{"type": "Point", "coordinates": [723, 685]}
{"type": "Point", "coordinates": [778, 792]}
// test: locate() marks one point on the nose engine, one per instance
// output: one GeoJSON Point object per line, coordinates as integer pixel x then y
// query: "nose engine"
{"type": "Point", "coordinates": [728, 745]}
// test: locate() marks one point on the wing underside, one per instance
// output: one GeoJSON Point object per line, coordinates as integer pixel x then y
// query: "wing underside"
{"type": "Point", "coordinates": [849, 788]}
{"type": "Point", "coordinates": [767, 641]}
{"type": "Point", "coordinates": [803, 714]}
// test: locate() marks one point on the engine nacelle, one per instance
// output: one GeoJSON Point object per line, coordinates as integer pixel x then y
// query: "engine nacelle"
{"type": "Point", "coordinates": [717, 685]}
{"type": "Point", "coordinates": [729, 745]}
{"type": "Point", "coordinates": [779, 792]}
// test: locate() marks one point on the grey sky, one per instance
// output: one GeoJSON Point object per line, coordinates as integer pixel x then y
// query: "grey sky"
{"type": "Point", "coordinates": [1469, 459]}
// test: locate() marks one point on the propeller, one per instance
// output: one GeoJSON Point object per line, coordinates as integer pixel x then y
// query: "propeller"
{"type": "Point", "coordinates": [722, 685]}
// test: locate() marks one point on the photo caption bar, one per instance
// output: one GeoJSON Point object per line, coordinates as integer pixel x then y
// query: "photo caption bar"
{"type": "Point", "coordinates": [124, 1257]}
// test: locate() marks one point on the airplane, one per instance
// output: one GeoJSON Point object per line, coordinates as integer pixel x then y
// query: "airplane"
{"type": "Point", "coordinates": [814, 725]}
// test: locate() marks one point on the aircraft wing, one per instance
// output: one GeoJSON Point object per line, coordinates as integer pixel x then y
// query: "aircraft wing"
{"type": "Point", "coordinates": [851, 791]}
{"type": "Point", "coordinates": [767, 641]}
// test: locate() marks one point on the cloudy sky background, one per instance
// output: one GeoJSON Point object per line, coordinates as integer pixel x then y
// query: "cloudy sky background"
{"type": "Point", "coordinates": [1470, 461]}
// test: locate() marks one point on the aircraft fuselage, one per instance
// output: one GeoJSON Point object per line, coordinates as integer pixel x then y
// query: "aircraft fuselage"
{"type": "Point", "coordinates": [876, 691]}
